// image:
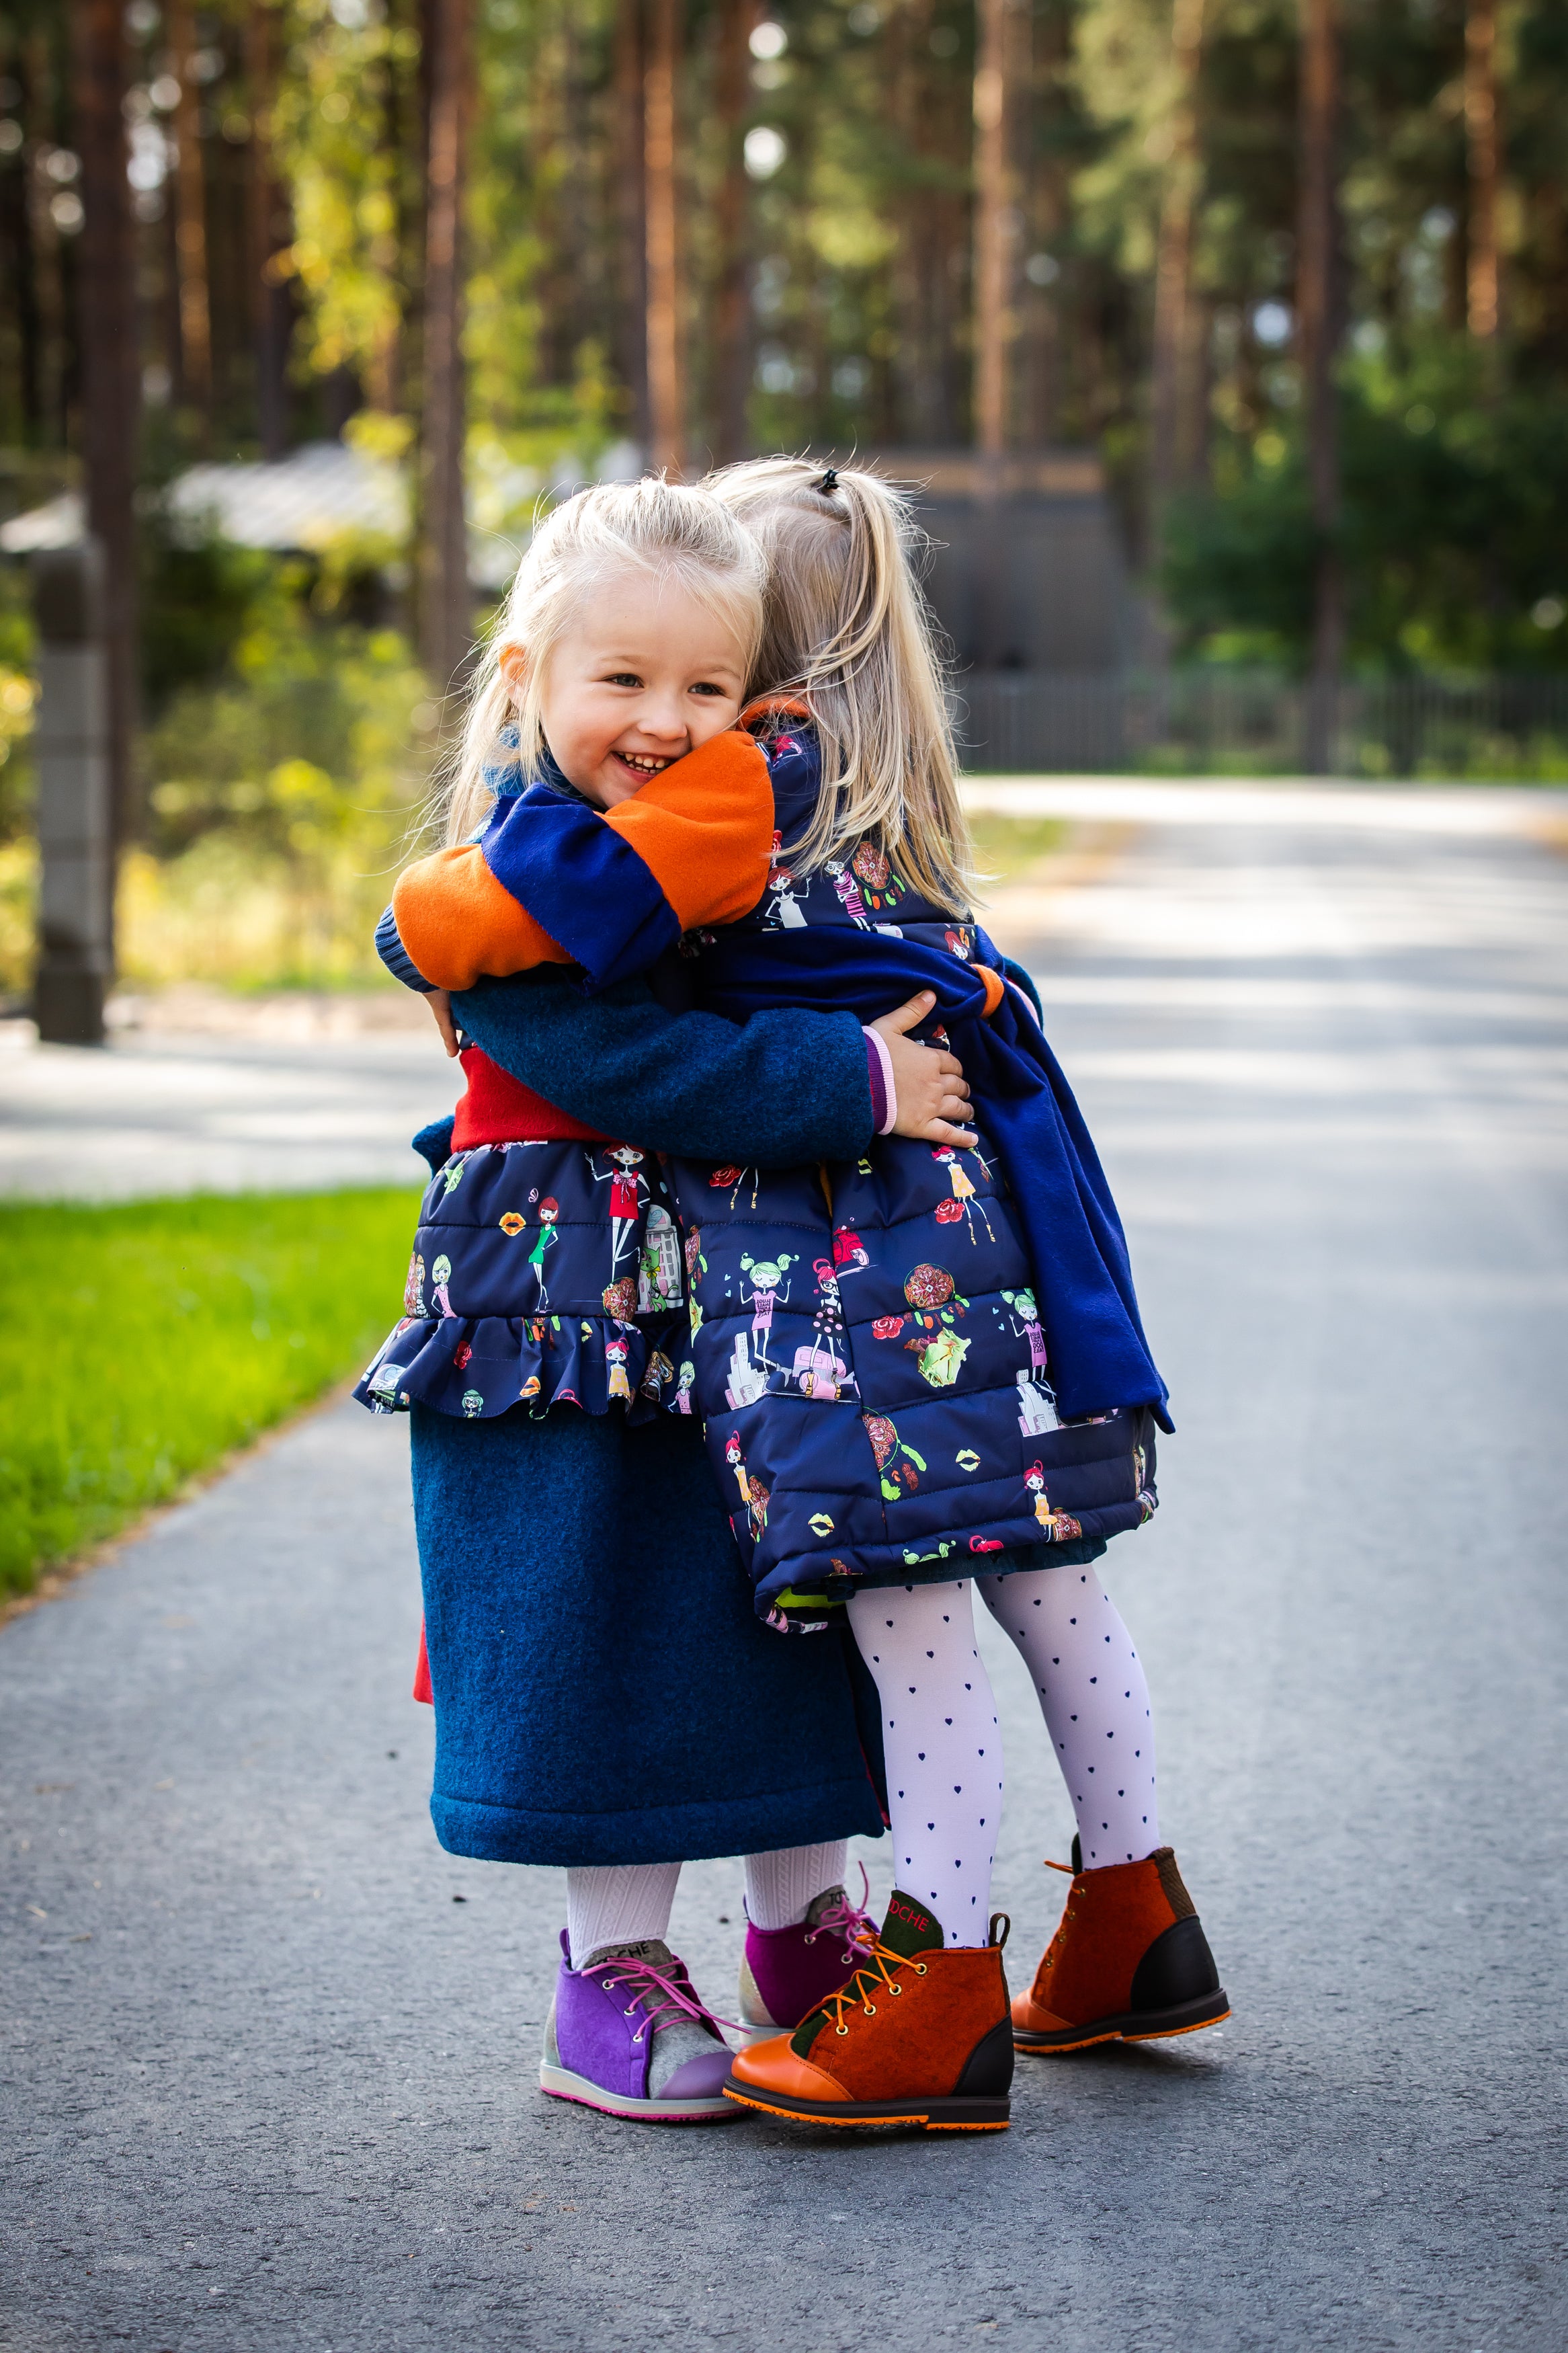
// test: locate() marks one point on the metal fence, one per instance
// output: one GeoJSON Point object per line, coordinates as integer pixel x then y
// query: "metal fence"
{"type": "Point", "coordinates": [1220, 723]}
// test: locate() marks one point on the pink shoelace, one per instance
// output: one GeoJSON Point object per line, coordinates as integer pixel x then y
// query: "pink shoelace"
{"type": "Point", "coordinates": [641, 1980]}
{"type": "Point", "coordinates": [851, 1921]}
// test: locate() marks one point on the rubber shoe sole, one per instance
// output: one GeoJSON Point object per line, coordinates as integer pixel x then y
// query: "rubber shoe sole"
{"type": "Point", "coordinates": [936, 2115]}
{"type": "Point", "coordinates": [1133, 2026]}
{"type": "Point", "coordinates": [561, 2083]}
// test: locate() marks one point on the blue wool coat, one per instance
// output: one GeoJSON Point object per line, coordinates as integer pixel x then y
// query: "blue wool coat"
{"type": "Point", "coordinates": [603, 1692]}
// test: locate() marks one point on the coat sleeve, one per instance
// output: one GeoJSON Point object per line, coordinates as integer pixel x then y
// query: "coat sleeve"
{"type": "Point", "coordinates": [551, 880]}
{"type": "Point", "coordinates": [785, 1088]}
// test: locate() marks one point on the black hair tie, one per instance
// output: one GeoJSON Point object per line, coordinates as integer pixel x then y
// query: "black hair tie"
{"type": "Point", "coordinates": [829, 481]}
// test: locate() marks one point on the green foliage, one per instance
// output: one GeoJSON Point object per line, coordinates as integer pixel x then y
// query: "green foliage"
{"type": "Point", "coordinates": [197, 598]}
{"type": "Point", "coordinates": [349, 92]}
{"type": "Point", "coordinates": [146, 1341]}
{"type": "Point", "coordinates": [18, 695]}
{"type": "Point", "coordinates": [281, 798]}
{"type": "Point", "coordinates": [1453, 534]}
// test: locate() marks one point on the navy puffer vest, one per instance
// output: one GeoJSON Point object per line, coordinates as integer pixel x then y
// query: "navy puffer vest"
{"type": "Point", "coordinates": [865, 1346]}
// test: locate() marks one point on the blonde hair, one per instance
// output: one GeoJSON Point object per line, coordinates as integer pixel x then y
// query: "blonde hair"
{"type": "Point", "coordinates": [847, 630]}
{"type": "Point", "coordinates": [667, 531]}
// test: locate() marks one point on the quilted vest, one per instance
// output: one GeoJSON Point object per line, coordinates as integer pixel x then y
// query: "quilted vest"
{"type": "Point", "coordinates": [864, 1344]}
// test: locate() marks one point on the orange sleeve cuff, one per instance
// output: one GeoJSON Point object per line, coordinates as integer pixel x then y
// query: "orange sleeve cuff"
{"type": "Point", "coordinates": [995, 987]}
{"type": "Point", "coordinates": [457, 922]}
{"type": "Point", "coordinates": [704, 829]}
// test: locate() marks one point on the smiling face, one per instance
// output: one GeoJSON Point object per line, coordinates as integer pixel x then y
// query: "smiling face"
{"type": "Point", "coordinates": [644, 673]}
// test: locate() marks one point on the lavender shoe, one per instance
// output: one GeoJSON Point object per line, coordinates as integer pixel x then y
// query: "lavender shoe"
{"type": "Point", "coordinates": [787, 1973]}
{"type": "Point", "coordinates": [627, 2035]}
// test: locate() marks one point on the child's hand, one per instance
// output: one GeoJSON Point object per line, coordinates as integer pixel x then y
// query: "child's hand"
{"type": "Point", "coordinates": [932, 1090]}
{"type": "Point", "coordinates": [439, 1000]}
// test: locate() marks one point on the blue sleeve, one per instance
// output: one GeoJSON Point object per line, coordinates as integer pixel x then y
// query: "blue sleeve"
{"type": "Point", "coordinates": [389, 947]}
{"type": "Point", "coordinates": [785, 1088]}
{"type": "Point", "coordinates": [576, 877]}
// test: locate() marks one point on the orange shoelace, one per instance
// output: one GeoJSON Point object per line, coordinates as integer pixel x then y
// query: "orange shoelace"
{"type": "Point", "coordinates": [872, 1973]}
{"type": "Point", "coordinates": [1049, 1958]}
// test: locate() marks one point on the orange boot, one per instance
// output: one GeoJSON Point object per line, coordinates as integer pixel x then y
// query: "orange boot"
{"type": "Point", "coordinates": [1129, 1963]}
{"type": "Point", "coordinates": [920, 2035]}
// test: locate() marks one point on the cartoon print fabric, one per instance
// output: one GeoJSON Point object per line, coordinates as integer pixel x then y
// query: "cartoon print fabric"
{"type": "Point", "coordinates": [544, 1273]}
{"type": "Point", "coordinates": [1082, 1275]}
{"type": "Point", "coordinates": [874, 1381]}
{"type": "Point", "coordinates": [865, 1342]}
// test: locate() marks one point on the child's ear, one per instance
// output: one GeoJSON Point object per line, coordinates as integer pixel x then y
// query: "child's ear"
{"type": "Point", "coordinates": [514, 661]}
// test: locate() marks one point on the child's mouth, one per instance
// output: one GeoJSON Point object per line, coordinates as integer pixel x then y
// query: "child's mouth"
{"type": "Point", "coordinates": [642, 765]}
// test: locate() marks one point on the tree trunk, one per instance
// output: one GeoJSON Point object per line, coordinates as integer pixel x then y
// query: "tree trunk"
{"type": "Point", "coordinates": [111, 373]}
{"type": "Point", "coordinates": [996, 234]}
{"type": "Point", "coordinates": [55, 355]}
{"type": "Point", "coordinates": [191, 221]}
{"type": "Point", "coordinates": [1318, 325]}
{"type": "Point", "coordinates": [1482, 289]}
{"type": "Point", "coordinates": [732, 321]}
{"type": "Point", "coordinates": [17, 265]}
{"type": "Point", "coordinates": [1172, 458]}
{"type": "Point", "coordinates": [667, 422]}
{"type": "Point", "coordinates": [630, 179]}
{"type": "Point", "coordinates": [1047, 208]}
{"type": "Point", "coordinates": [445, 617]}
{"type": "Point", "coordinates": [999, 24]}
{"type": "Point", "coordinates": [267, 231]}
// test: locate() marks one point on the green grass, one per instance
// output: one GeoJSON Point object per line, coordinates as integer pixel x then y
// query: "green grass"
{"type": "Point", "coordinates": [1006, 848]}
{"type": "Point", "coordinates": [142, 1342]}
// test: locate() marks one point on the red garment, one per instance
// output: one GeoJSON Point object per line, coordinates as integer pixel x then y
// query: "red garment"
{"type": "Point", "coordinates": [623, 1194]}
{"type": "Point", "coordinates": [422, 1673]}
{"type": "Point", "coordinates": [498, 1109]}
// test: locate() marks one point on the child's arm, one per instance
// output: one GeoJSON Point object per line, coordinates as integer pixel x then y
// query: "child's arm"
{"type": "Point", "coordinates": [554, 881]}
{"type": "Point", "coordinates": [783, 1088]}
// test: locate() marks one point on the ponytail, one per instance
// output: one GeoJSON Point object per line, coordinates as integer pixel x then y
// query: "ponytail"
{"type": "Point", "coordinates": [847, 630]}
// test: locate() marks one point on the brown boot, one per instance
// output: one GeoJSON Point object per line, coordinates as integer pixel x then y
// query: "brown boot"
{"type": "Point", "coordinates": [1129, 1963]}
{"type": "Point", "coordinates": [920, 2035]}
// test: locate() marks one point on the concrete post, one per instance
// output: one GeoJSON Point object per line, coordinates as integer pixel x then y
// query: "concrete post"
{"type": "Point", "coordinates": [76, 825]}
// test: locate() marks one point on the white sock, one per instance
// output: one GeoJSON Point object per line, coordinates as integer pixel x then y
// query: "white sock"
{"type": "Point", "coordinates": [943, 1744]}
{"type": "Point", "coordinates": [781, 1887]}
{"type": "Point", "coordinates": [618, 1904]}
{"type": "Point", "coordinates": [1095, 1699]}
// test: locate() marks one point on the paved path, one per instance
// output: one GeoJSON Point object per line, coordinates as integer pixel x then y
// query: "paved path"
{"type": "Point", "coordinates": [163, 1111]}
{"type": "Point", "coordinates": [265, 2082]}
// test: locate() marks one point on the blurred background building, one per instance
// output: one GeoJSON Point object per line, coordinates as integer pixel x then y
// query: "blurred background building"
{"type": "Point", "coordinates": [1249, 324]}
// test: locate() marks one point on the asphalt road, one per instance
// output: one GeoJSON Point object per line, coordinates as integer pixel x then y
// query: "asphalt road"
{"type": "Point", "coordinates": [267, 2083]}
{"type": "Point", "coordinates": [166, 1112]}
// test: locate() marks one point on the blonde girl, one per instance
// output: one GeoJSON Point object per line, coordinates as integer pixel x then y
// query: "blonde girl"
{"type": "Point", "coordinates": [605, 1698]}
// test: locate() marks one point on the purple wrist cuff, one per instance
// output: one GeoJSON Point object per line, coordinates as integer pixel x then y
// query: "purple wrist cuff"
{"type": "Point", "coordinates": [884, 1094]}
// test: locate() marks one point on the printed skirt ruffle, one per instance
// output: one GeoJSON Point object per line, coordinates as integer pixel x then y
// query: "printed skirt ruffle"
{"type": "Point", "coordinates": [477, 1367]}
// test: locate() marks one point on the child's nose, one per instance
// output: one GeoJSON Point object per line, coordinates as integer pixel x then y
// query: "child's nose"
{"type": "Point", "coordinates": [664, 717]}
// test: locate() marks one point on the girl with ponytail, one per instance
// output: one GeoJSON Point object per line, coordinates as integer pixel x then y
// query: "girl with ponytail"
{"type": "Point", "coordinates": [917, 1366]}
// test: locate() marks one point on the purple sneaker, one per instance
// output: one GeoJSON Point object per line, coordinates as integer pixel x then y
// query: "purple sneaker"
{"type": "Point", "coordinates": [787, 1973]}
{"type": "Point", "coordinates": [627, 2035]}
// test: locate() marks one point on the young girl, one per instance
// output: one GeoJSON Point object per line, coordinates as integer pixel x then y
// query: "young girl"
{"type": "Point", "coordinates": [604, 1698]}
{"type": "Point", "coordinates": [842, 1450]}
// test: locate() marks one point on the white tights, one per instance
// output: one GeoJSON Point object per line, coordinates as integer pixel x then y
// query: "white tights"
{"type": "Point", "coordinates": [624, 1903]}
{"type": "Point", "coordinates": [943, 1747]}
{"type": "Point", "coordinates": [945, 1758]}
